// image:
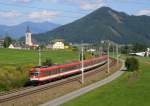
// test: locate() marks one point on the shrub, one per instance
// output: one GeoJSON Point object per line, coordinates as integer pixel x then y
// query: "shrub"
{"type": "Point", "coordinates": [132, 64]}
{"type": "Point", "coordinates": [48, 62]}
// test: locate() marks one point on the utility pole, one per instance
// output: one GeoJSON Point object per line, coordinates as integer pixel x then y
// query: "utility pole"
{"type": "Point", "coordinates": [113, 52]}
{"type": "Point", "coordinates": [82, 63]}
{"type": "Point", "coordinates": [108, 57]}
{"type": "Point", "coordinates": [39, 56]}
{"type": "Point", "coordinates": [117, 53]}
{"type": "Point", "coordinates": [100, 51]}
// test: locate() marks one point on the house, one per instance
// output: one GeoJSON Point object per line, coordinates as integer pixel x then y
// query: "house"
{"type": "Point", "coordinates": [143, 54]}
{"type": "Point", "coordinates": [91, 50]}
{"type": "Point", "coordinates": [66, 46]}
{"type": "Point", "coordinates": [1, 43]}
{"type": "Point", "coordinates": [58, 45]}
{"type": "Point", "coordinates": [14, 46]}
{"type": "Point", "coordinates": [11, 46]}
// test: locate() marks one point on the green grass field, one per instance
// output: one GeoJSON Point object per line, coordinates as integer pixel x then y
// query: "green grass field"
{"type": "Point", "coordinates": [9, 56]}
{"type": "Point", "coordinates": [131, 89]}
{"type": "Point", "coordinates": [15, 64]}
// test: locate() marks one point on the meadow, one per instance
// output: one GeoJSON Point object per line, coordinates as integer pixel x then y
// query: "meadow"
{"type": "Point", "coordinates": [16, 64]}
{"type": "Point", "coordinates": [131, 89]}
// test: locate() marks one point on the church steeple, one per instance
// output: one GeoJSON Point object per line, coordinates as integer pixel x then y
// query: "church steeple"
{"type": "Point", "coordinates": [28, 30]}
{"type": "Point", "coordinates": [28, 36]}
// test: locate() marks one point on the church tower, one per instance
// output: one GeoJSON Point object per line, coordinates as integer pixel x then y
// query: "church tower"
{"type": "Point", "coordinates": [28, 37]}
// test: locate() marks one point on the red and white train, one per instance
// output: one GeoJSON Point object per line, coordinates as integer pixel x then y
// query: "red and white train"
{"type": "Point", "coordinates": [49, 73]}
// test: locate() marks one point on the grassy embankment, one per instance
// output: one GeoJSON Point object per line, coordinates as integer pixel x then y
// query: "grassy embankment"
{"type": "Point", "coordinates": [15, 64]}
{"type": "Point", "coordinates": [131, 89]}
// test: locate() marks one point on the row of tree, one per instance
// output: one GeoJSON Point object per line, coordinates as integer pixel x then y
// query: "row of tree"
{"type": "Point", "coordinates": [126, 49]}
{"type": "Point", "coordinates": [7, 41]}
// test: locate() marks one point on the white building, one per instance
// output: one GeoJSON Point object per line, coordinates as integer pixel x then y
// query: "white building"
{"type": "Point", "coordinates": [58, 45]}
{"type": "Point", "coordinates": [91, 50]}
{"type": "Point", "coordinates": [1, 43]}
{"type": "Point", "coordinates": [11, 46]}
{"type": "Point", "coordinates": [28, 39]}
{"type": "Point", "coordinates": [148, 52]}
{"type": "Point", "coordinates": [143, 54]}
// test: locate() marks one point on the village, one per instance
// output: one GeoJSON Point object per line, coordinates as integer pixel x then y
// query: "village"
{"type": "Point", "coordinates": [29, 43]}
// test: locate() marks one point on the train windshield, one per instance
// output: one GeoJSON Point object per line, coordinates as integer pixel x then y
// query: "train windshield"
{"type": "Point", "coordinates": [35, 73]}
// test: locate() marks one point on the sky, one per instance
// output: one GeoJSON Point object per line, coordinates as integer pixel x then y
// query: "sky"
{"type": "Point", "coordinates": [13, 12]}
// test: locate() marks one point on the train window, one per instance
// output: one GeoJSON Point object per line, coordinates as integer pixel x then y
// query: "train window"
{"type": "Point", "coordinates": [35, 73]}
{"type": "Point", "coordinates": [50, 72]}
{"type": "Point", "coordinates": [72, 68]}
{"type": "Point", "coordinates": [67, 69]}
{"type": "Point", "coordinates": [58, 71]}
{"type": "Point", "coordinates": [54, 72]}
{"type": "Point", "coordinates": [61, 70]}
{"type": "Point", "coordinates": [46, 73]}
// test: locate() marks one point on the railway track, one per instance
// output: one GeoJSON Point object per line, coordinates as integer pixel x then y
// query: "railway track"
{"type": "Point", "coordinates": [24, 92]}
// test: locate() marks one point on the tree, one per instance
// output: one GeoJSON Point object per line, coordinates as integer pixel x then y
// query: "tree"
{"type": "Point", "coordinates": [48, 62]}
{"type": "Point", "coordinates": [125, 49]}
{"type": "Point", "coordinates": [7, 41]}
{"type": "Point", "coordinates": [139, 47]}
{"type": "Point", "coordinates": [132, 64]}
{"type": "Point", "coordinates": [42, 46]}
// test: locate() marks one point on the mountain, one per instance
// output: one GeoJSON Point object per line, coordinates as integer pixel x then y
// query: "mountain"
{"type": "Point", "coordinates": [103, 24]}
{"type": "Point", "coordinates": [17, 31]}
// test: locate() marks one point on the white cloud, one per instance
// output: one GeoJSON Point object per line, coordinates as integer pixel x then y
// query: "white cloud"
{"type": "Point", "coordinates": [92, 5]}
{"type": "Point", "coordinates": [144, 12]}
{"type": "Point", "coordinates": [83, 4]}
{"type": "Point", "coordinates": [22, 1]}
{"type": "Point", "coordinates": [54, 1]}
{"type": "Point", "coordinates": [9, 14]}
{"type": "Point", "coordinates": [42, 15]}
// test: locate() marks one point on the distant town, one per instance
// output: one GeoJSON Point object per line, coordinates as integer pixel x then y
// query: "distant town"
{"type": "Point", "coordinates": [55, 44]}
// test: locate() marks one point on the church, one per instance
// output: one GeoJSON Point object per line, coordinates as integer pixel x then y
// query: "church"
{"type": "Point", "coordinates": [28, 39]}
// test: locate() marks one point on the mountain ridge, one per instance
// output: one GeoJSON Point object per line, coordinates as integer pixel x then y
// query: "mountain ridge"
{"type": "Point", "coordinates": [103, 24]}
{"type": "Point", "coordinates": [17, 31]}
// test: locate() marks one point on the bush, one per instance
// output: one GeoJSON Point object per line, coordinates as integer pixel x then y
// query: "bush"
{"type": "Point", "coordinates": [132, 64]}
{"type": "Point", "coordinates": [48, 62]}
